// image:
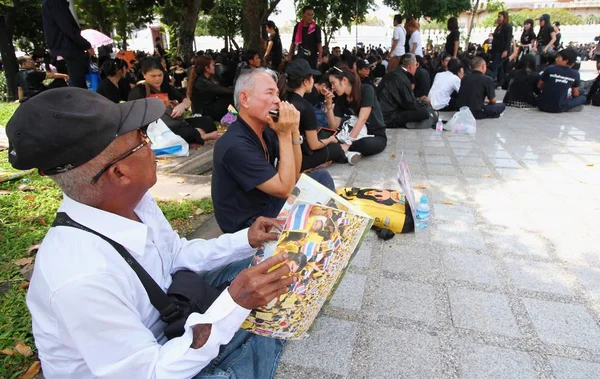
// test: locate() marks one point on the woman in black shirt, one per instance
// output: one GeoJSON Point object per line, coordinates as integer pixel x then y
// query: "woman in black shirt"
{"type": "Point", "coordinates": [208, 97]}
{"type": "Point", "coordinates": [453, 38]}
{"type": "Point", "coordinates": [297, 81]}
{"type": "Point", "coordinates": [500, 46]}
{"type": "Point", "coordinates": [193, 130]}
{"type": "Point", "coordinates": [527, 42]}
{"type": "Point", "coordinates": [356, 103]}
{"type": "Point", "coordinates": [274, 52]}
{"type": "Point", "coordinates": [114, 86]}
{"type": "Point", "coordinates": [522, 89]}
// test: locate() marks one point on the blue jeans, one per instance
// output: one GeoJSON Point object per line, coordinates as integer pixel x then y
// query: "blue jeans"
{"type": "Point", "coordinates": [247, 355]}
{"type": "Point", "coordinates": [574, 102]}
{"type": "Point", "coordinates": [498, 68]}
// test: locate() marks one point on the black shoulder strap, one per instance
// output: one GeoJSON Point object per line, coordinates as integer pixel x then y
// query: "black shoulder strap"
{"type": "Point", "coordinates": [165, 306]}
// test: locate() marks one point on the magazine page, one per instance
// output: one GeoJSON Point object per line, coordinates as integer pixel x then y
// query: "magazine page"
{"type": "Point", "coordinates": [319, 241]}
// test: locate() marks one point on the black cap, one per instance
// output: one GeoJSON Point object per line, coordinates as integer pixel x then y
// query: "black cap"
{"type": "Point", "coordinates": [362, 63]}
{"type": "Point", "coordinates": [301, 68]}
{"type": "Point", "coordinates": [63, 128]}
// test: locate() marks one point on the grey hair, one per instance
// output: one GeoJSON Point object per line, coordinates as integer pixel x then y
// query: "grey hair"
{"type": "Point", "coordinates": [407, 59]}
{"type": "Point", "coordinates": [76, 183]}
{"type": "Point", "coordinates": [246, 82]}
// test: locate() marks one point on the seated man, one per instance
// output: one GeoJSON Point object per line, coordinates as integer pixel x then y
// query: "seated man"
{"type": "Point", "coordinates": [256, 163]}
{"type": "Point", "coordinates": [398, 102]}
{"type": "Point", "coordinates": [557, 81]}
{"type": "Point", "coordinates": [363, 67]}
{"type": "Point", "coordinates": [446, 86]}
{"type": "Point", "coordinates": [91, 314]}
{"type": "Point", "coordinates": [422, 80]}
{"type": "Point", "coordinates": [475, 87]}
{"type": "Point", "coordinates": [251, 60]}
{"type": "Point", "coordinates": [30, 81]}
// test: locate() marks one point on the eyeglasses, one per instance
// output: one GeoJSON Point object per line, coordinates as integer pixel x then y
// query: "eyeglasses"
{"type": "Point", "coordinates": [146, 140]}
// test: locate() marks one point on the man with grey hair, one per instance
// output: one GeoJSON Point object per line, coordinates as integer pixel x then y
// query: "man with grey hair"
{"type": "Point", "coordinates": [256, 163]}
{"type": "Point", "coordinates": [400, 107]}
{"type": "Point", "coordinates": [91, 306]}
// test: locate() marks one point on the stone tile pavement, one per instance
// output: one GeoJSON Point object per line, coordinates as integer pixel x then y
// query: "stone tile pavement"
{"type": "Point", "coordinates": [505, 283]}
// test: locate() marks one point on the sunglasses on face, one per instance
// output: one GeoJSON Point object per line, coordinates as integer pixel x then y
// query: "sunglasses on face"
{"type": "Point", "coordinates": [145, 141]}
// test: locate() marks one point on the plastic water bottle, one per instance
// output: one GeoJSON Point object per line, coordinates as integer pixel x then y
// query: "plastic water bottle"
{"type": "Point", "coordinates": [423, 213]}
{"type": "Point", "coordinates": [439, 127]}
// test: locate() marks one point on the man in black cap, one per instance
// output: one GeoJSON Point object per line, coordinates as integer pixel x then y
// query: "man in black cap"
{"type": "Point", "coordinates": [91, 314]}
{"type": "Point", "coordinates": [363, 67]}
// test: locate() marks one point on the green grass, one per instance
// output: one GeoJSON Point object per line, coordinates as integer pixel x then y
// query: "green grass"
{"type": "Point", "coordinates": [6, 112]}
{"type": "Point", "coordinates": [24, 220]}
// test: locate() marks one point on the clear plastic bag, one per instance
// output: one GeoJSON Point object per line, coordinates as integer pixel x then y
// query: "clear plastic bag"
{"type": "Point", "coordinates": [165, 143]}
{"type": "Point", "coordinates": [463, 121]}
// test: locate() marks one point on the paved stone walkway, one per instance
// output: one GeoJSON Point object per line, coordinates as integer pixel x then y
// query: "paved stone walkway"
{"type": "Point", "coordinates": [505, 283]}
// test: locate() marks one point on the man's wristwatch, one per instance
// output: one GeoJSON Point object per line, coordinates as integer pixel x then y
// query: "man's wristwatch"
{"type": "Point", "coordinates": [299, 142]}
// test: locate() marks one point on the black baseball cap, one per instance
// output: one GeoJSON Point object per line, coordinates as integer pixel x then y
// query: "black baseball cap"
{"type": "Point", "coordinates": [362, 63]}
{"type": "Point", "coordinates": [61, 129]}
{"type": "Point", "coordinates": [301, 68]}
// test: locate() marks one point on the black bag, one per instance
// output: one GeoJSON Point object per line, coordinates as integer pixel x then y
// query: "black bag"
{"type": "Point", "coordinates": [188, 293]}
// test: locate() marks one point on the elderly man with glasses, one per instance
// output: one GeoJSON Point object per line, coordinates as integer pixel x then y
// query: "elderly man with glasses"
{"type": "Point", "coordinates": [92, 309]}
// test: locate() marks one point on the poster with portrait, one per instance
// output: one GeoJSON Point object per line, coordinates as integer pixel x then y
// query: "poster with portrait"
{"type": "Point", "coordinates": [320, 237]}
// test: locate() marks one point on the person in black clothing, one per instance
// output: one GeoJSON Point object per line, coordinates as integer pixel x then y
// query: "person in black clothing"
{"type": "Point", "coordinates": [379, 71]}
{"type": "Point", "coordinates": [399, 105]}
{"type": "Point", "coordinates": [522, 87]}
{"type": "Point", "coordinates": [159, 50]}
{"type": "Point", "coordinates": [545, 41]}
{"type": "Point", "coordinates": [356, 107]}
{"type": "Point", "coordinates": [363, 68]}
{"type": "Point", "coordinates": [475, 88]}
{"type": "Point", "coordinates": [208, 97]}
{"type": "Point", "coordinates": [178, 72]}
{"type": "Point", "coordinates": [307, 38]}
{"type": "Point", "coordinates": [30, 81]}
{"type": "Point", "coordinates": [501, 46]}
{"type": "Point", "coordinates": [274, 52]}
{"type": "Point", "coordinates": [558, 35]}
{"type": "Point", "coordinates": [422, 79]}
{"type": "Point", "coordinates": [114, 86]}
{"type": "Point", "coordinates": [527, 43]}
{"type": "Point", "coordinates": [250, 60]}
{"type": "Point", "coordinates": [593, 97]}
{"type": "Point", "coordinates": [557, 82]}
{"type": "Point", "coordinates": [297, 81]}
{"type": "Point", "coordinates": [63, 37]}
{"type": "Point", "coordinates": [193, 130]}
{"type": "Point", "coordinates": [453, 38]}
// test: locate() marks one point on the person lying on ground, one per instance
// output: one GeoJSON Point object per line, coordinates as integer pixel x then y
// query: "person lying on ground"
{"type": "Point", "coordinates": [30, 80]}
{"type": "Point", "coordinates": [257, 162]}
{"type": "Point", "coordinates": [475, 88]}
{"type": "Point", "coordinates": [559, 85]}
{"type": "Point", "coordinates": [446, 86]}
{"type": "Point", "coordinates": [91, 314]}
{"type": "Point", "coordinates": [196, 131]}
{"type": "Point", "coordinates": [316, 149]}
{"type": "Point", "coordinates": [399, 105]}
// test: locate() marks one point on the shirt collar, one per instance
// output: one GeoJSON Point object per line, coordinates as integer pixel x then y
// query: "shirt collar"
{"type": "Point", "coordinates": [132, 235]}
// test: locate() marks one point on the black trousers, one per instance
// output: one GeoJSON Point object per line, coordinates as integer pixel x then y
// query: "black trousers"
{"type": "Point", "coordinates": [331, 152]}
{"type": "Point", "coordinates": [369, 145]}
{"type": "Point", "coordinates": [78, 67]}
{"type": "Point", "coordinates": [490, 111]}
{"type": "Point", "coordinates": [402, 117]}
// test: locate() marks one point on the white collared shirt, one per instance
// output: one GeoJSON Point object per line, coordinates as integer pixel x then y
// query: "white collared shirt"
{"type": "Point", "coordinates": [92, 317]}
{"type": "Point", "coordinates": [444, 84]}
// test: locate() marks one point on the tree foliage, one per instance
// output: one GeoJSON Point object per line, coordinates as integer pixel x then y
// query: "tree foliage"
{"type": "Point", "coordinates": [518, 18]}
{"type": "Point", "coordinates": [430, 9]}
{"type": "Point", "coordinates": [332, 15]}
{"type": "Point", "coordinates": [122, 15]}
{"type": "Point", "coordinates": [225, 19]}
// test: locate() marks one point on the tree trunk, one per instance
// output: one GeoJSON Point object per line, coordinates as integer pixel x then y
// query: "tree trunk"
{"type": "Point", "coordinates": [475, 9]}
{"type": "Point", "coordinates": [7, 49]}
{"type": "Point", "coordinates": [187, 27]}
{"type": "Point", "coordinates": [252, 11]}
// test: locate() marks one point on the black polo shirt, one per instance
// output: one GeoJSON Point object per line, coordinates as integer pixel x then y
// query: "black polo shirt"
{"type": "Point", "coordinates": [375, 123]}
{"type": "Point", "coordinates": [31, 81]}
{"type": "Point", "coordinates": [474, 88]}
{"type": "Point", "coordinates": [240, 164]}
